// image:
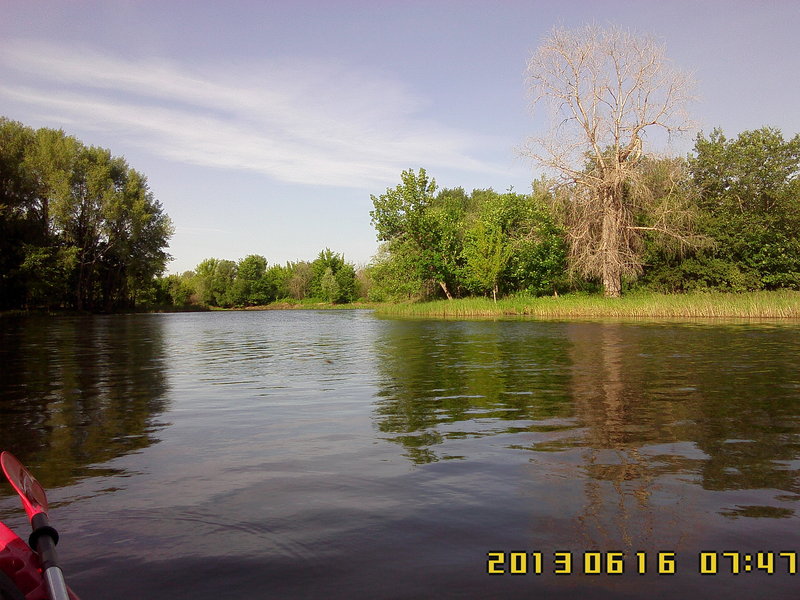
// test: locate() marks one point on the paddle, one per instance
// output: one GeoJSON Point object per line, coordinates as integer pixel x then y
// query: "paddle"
{"type": "Point", "coordinates": [43, 538]}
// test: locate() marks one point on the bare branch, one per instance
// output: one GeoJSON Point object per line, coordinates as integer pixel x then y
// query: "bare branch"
{"type": "Point", "coordinates": [605, 89]}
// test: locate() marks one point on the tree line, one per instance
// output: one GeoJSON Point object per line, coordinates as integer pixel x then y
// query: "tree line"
{"type": "Point", "coordinates": [724, 218]}
{"type": "Point", "coordinates": [79, 228]}
{"type": "Point", "coordinates": [250, 281]}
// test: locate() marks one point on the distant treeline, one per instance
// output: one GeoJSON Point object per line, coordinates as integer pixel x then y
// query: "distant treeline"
{"type": "Point", "coordinates": [251, 282]}
{"type": "Point", "coordinates": [79, 228]}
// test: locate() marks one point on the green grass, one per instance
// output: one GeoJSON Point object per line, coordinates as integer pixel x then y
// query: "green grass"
{"type": "Point", "coordinates": [752, 305]}
{"type": "Point", "coordinates": [307, 304]}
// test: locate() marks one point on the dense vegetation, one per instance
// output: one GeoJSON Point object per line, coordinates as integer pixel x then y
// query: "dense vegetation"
{"type": "Point", "coordinates": [79, 228]}
{"type": "Point", "coordinates": [738, 202]}
{"type": "Point", "coordinates": [460, 244]}
{"type": "Point", "coordinates": [748, 205]}
{"type": "Point", "coordinates": [251, 282]}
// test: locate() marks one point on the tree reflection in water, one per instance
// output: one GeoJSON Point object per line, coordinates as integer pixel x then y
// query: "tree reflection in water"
{"type": "Point", "coordinates": [77, 391]}
{"type": "Point", "coordinates": [656, 413]}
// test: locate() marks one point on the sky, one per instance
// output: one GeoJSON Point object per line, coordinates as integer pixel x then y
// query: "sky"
{"type": "Point", "coordinates": [264, 127]}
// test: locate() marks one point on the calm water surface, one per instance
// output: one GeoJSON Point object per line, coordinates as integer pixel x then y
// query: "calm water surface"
{"type": "Point", "coordinates": [338, 455]}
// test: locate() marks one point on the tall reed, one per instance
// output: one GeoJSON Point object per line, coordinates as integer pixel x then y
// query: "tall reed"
{"type": "Point", "coordinates": [753, 305]}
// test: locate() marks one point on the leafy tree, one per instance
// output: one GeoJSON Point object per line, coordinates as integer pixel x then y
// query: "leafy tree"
{"type": "Point", "coordinates": [251, 286]}
{"type": "Point", "coordinates": [329, 287]}
{"type": "Point", "coordinates": [180, 289]}
{"type": "Point", "coordinates": [215, 278]}
{"type": "Point", "coordinates": [607, 89]}
{"type": "Point", "coordinates": [78, 215]}
{"type": "Point", "coordinates": [748, 191]}
{"type": "Point", "coordinates": [18, 223]}
{"type": "Point", "coordinates": [483, 241]}
{"type": "Point", "coordinates": [298, 282]}
{"type": "Point", "coordinates": [393, 274]}
{"type": "Point", "coordinates": [347, 284]}
{"type": "Point", "coordinates": [46, 271]}
{"type": "Point", "coordinates": [487, 252]}
{"type": "Point", "coordinates": [409, 216]}
{"type": "Point", "coordinates": [363, 283]}
{"type": "Point", "coordinates": [537, 257]}
{"type": "Point", "coordinates": [343, 274]}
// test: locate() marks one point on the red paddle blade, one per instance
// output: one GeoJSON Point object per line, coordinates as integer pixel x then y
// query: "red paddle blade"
{"type": "Point", "coordinates": [30, 491]}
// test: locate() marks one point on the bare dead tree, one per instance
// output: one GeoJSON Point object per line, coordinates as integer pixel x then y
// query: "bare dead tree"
{"type": "Point", "coordinates": [607, 90]}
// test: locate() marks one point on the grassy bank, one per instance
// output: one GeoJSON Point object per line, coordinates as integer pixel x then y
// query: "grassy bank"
{"type": "Point", "coordinates": [753, 305]}
{"type": "Point", "coordinates": [306, 305]}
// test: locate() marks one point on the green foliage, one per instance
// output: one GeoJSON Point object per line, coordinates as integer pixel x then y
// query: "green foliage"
{"type": "Point", "coordinates": [297, 284]}
{"type": "Point", "coordinates": [456, 242]}
{"type": "Point", "coordinates": [328, 269]}
{"type": "Point", "coordinates": [329, 287]}
{"type": "Point", "coordinates": [424, 225]}
{"type": "Point", "coordinates": [79, 215]}
{"type": "Point", "coordinates": [250, 282]}
{"type": "Point", "coordinates": [252, 286]}
{"type": "Point", "coordinates": [214, 280]}
{"type": "Point", "coordinates": [487, 251]}
{"type": "Point", "coordinates": [537, 259]}
{"type": "Point", "coordinates": [750, 203]}
{"type": "Point", "coordinates": [393, 275]}
{"type": "Point", "coordinates": [179, 289]}
{"type": "Point", "coordinates": [46, 271]}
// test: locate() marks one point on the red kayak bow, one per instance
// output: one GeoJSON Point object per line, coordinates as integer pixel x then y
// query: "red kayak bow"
{"type": "Point", "coordinates": [31, 574]}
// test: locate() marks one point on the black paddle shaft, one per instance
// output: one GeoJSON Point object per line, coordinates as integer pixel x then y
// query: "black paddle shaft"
{"type": "Point", "coordinates": [43, 539]}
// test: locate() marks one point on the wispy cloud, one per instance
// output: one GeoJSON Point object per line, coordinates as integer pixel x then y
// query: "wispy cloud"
{"type": "Point", "coordinates": [313, 122]}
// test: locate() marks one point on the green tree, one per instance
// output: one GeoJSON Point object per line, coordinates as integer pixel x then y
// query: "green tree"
{"type": "Point", "coordinates": [19, 224]}
{"type": "Point", "coordinates": [343, 273]}
{"type": "Point", "coordinates": [75, 213]}
{"type": "Point", "coordinates": [750, 187]}
{"type": "Point", "coordinates": [487, 251]}
{"type": "Point", "coordinates": [749, 197]}
{"type": "Point", "coordinates": [215, 280]}
{"type": "Point", "coordinates": [251, 286]}
{"type": "Point", "coordinates": [537, 260]}
{"type": "Point", "coordinates": [393, 274]}
{"type": "Point", "coordinates": [329, 288]}
{"type": "Point", "coordinates": [298, 281]}
{"type": "Point", "coordinates": [410, 217]}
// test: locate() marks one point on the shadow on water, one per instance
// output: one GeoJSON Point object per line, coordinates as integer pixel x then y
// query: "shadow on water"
{"type": "Point", "coordinates": [79, 391]}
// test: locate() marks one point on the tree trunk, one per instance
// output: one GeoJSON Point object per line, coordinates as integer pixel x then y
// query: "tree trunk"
{"type": "Point", "coordinates": [494, 293]}
{"type": "Point", "coordinates": [446, 291]}
{"type": "Point", "coordinates": [612, 266]}
{"type": "Point", "coordinates": [612, 284]}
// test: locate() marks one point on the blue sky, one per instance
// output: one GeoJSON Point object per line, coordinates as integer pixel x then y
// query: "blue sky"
{"type": "Point", "coordinates": [263, 127]}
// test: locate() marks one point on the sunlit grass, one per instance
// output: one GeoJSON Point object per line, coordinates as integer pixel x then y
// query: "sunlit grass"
{"type": "Point", "coordinates": [753, 305]}
{"type": "Point", "coordinates": [309, 304]}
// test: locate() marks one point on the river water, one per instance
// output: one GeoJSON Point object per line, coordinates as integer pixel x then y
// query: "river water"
{"type": "Point", "coordinates": [335, 454]}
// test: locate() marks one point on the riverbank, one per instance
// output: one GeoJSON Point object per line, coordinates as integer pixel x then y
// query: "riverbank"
{"type": "Point", "coordinates": [306, 305]}
{"type": "Point", "coordinates": [781, 304]}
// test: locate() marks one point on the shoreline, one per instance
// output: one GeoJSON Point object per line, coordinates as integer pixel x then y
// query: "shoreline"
{"type": "Point", "coordinates": [782, 304]}
{"type": "Point", "coordinates": [774, 305]}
